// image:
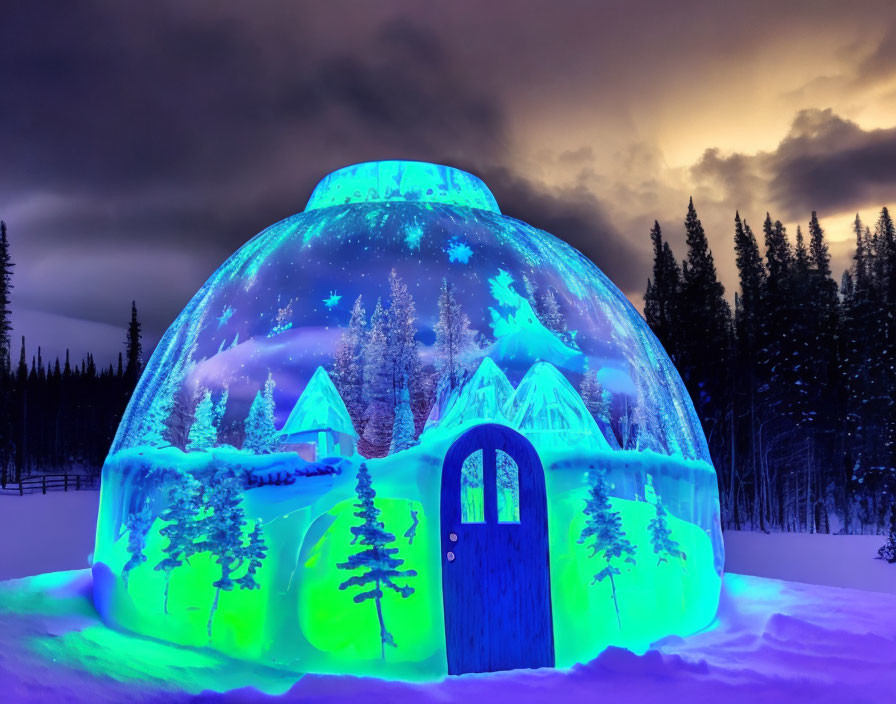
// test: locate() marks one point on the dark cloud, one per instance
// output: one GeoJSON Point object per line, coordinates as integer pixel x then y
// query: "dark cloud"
{"type": "Point", "coordinates": [825, 163]}
{"type": "Point", "coordinates": [141, 146]}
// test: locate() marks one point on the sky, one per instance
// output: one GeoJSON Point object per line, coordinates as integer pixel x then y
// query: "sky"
{"type": "Point", "coordinates": [142, 143]}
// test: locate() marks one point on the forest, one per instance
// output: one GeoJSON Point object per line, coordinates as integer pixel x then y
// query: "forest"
{"type": "Point", "coordinates": [58, 416]}
{"type": "Point", "coordinates": [795, 386]}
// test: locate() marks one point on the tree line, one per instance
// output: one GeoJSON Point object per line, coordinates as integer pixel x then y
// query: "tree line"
{"type": "Point", "coordinates": [796, 387]}
{"type": "Point", "coordinates": [57, 416]}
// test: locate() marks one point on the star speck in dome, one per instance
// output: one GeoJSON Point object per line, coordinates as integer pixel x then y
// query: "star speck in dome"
{"type": "Point", "coordinates": [226, 315]}
{"type": "Point", "coordinates": [332, 300]}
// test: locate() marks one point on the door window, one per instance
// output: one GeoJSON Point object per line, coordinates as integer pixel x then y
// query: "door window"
{"type": "Point", "coordinates": [472, 496]}
{"type": "Point", "coordinates": [508, 476]}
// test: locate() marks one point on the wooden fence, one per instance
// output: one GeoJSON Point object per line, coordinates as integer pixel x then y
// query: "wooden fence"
{"type": "Point", "coordinates": [50, 482]}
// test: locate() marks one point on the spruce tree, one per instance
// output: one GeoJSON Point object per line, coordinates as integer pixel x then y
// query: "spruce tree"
{"type": "Point", "coordinates": [888, 550]}
{"type": "Point", "coordinates": [403, 428]}
{"type": "Point", "coordinates": [133, 348]}
{"type": "Point", "coordinates": [203, 433]}
{"type": "Point", "coordinates": [661, 536]}
{"type": "Point", "coordinates": [603, 534]}
{"type": "Point", "coordinates": [182, 518]}
{"type": "Point", "coordinates": [662, 300]}
{"type": "Point", "coordinates": [223, 536]}
{"type": "Point", "coordinates": [137, 526]}
{"type": "Point", "coordinates": [379, 413]}
{"type": "Point", "coordinates": [348, 365]}
{"type": "Point", "coordinates": [454, 345]}
{"type": "Point", "coordinates": [6, 266]}
{"type": "Point", "coordinates": [378, 562]}
{"type": "Point", "coordinates": [596, 399]}
{"type": "Point", "coordinates": [261, 434]}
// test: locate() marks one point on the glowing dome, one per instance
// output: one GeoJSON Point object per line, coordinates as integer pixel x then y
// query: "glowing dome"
{"type": "Point", "coordinates": [402, 434]}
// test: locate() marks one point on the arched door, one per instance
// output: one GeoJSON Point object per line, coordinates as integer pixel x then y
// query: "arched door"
{"type": "Point", "coordinates": [496, 581]}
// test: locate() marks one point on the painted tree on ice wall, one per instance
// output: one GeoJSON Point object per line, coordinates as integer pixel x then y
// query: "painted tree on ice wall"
{"type": "Point", "coordinates": [203, 433]}
{"type": "Point", "coordinates": [603, 528]}
{"type": "Point", "coordinates": [378, 561]}
{"type": "Point", "coordinates": [182, 516]}
{"type": "Point", "coordinates": [137, 525]}
{"type": "Point", "coordinates": [223, 536]}
{"type": "Point", "coordinates": [661, 536]}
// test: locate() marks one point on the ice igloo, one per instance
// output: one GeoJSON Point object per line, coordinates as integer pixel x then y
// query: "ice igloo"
{"type": "Point", "coordinates": [402, 434]}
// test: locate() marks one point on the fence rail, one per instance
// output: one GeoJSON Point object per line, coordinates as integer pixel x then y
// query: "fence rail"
{"type": "Point", "coordinates": [50, 482]}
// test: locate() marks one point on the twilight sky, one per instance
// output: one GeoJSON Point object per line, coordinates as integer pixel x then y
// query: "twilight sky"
{"type": "Point", "coordinates": [142, 143]}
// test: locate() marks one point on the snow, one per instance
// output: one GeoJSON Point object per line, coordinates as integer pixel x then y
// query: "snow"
{"type": "Point", "coordinates": [834, 560]}
{"type": "Point", "coordinates": [773, 642]}
{"type": "Point", "coordinates": [46, 533]}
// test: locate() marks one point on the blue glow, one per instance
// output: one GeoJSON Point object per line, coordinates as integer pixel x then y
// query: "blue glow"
{"type": "Point", "coordinates": [401, 181]}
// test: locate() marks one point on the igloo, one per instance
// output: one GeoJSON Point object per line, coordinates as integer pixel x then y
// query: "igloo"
{"type": "Point", "coordinates": [402, 434]}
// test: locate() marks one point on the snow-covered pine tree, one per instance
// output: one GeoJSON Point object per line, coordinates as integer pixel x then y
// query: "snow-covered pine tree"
{"type": "Point", "coordinates": [261, 434]}
{"type": "Point", "coordinates": [182, 518]}
{"type": "Point", "coordinates": [203, 433]}
{"type": "Point", "coordinates": [378, 414]}
{"type": "Point", "coordinates": [378, 562]}
{"type": "Point", "coordinates": [220, 409]}
{"type": "Point", "coordinates": [348, 365]}
{"type": "Point", "coordinates": [603, 533]}
{"type": "Point", "coordinates": [595, 397]}
{"type": "Point", "coordinates": [455, 341]}
{"type": "Point", "coordinates": [403, 431]}
{"type": "Point", "coordinates": [888, 550]}
{"type": "Point", "coordinates": [661, 536]}
{"type": "Point", "coordinates": [137, 525]}
{"type": "Point", "coordinates": [403, 351]}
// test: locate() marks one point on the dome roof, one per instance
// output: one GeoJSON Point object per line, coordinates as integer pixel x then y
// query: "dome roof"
{"type": "Point", "coordinates": [280, 305]}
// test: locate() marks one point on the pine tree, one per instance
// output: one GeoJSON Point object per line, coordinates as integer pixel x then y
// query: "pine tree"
{"type": "Point", "coordinates": [661, 536]}
{"type": "Point", "coordinates": [182, 516]}
{"type": "Point", "coordinates": [603, 528]}
{"type": "Point", "coordinates": [137, 525]}
{"type": "Point", "coordinates": [133, 349]}
{"type": "Point", "coordinates": [203, 433]}
{"type": "Point", "coordinates": [379, 413]}
{"type": "Point", "coordinates": [596, 399]}
{"type": "Point", "coordinates": [662, 299]}
{"type": "Point", "coordinates": [261, 434]}
{"type": "Point", "coordinates": [888, 550]}
{"type": "Point", "coordinates": [223, 530]}
{"type": "Point", "coordinates": [403, 428]}
{"type": "Point", "coordinates": [6, 266]}
{"type": "Point", "coordinates": [378, 561]}
{"type": "Point", "coordinates": [403, 352]}
{"type": "Point", "coordinates": [455, 344]}
{"type": "Point", "coordinates": [220, 409]}
{"type": "Point", "coordinates": [348, 365]}
{"type": "Point", "coordinates": [255, 553]}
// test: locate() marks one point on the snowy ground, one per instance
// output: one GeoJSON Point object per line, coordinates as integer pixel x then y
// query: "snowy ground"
{"type": "Point", "coordinates": [773, 642]}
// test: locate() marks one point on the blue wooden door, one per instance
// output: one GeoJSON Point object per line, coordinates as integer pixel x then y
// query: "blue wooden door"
{"type": "Point", "coordinates": [496, 582]}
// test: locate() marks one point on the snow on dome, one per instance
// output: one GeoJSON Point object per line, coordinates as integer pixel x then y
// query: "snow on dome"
{"type": "Point", "coordinates": [401, 434]}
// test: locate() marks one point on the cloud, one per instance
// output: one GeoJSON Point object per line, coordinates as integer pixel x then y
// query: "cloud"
{"type": "Point", "coordinates": [825, 163]}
